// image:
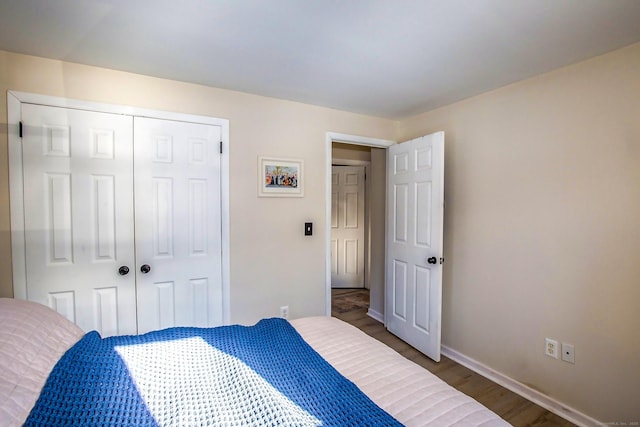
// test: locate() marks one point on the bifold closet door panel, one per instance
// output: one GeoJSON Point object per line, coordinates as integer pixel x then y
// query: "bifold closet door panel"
{"type": "Point", "coordinates": [178, 224]}
{"type": "Point", "coordinates": [79, 217]}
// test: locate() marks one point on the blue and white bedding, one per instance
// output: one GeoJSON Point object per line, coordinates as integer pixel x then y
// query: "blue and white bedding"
{"type": "Point", "coordinates": [33, 338]}
{"type": "Point", "coordinates": [265, 374]}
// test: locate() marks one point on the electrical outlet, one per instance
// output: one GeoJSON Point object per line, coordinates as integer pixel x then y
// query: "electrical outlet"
{"type": "Point", "coordinates": [568, 353]}
{"type": "Point", "coordinates": [284, 311]}
{"type": "Point", "coordinates": [551, 348]}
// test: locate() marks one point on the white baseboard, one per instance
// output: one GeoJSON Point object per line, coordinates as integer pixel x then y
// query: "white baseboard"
{"type": "Point", "coordinates": [523, 390]}
{"type": "Point", "coordinates": [375, 315]}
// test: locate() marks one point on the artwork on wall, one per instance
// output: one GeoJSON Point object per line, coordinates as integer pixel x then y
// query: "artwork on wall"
{"type": "Point", "coordinates": [278, 177]}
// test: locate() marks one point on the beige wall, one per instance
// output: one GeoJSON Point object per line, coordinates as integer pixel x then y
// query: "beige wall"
{"type": "Point", "coordinates": [542, 237]}
{"type": "Point", "coordinates": [272, 262]}
{"type": "Point", "coordinates": [377, 220]}
{"type": "Point", "coordinates": [342, 151]}
{"type": "Point", "coordinates": [542, 230]}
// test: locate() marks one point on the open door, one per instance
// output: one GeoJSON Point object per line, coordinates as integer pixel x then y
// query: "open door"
{"type": "Point", "coordinates": [415, 211]}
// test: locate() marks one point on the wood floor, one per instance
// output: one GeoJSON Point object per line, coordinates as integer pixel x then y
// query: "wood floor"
{"type": "Point", "coordinates": [351, 306]}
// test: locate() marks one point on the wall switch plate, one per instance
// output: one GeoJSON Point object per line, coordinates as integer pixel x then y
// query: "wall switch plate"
{"type": "Point", "coordinates": [568, 353]}
{"type": "Point", "coordinates": [551, 348]}
{"type": "Point", "coordinates": [308, 228]}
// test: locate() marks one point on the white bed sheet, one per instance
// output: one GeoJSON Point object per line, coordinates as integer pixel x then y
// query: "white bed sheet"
{"type": "Point", "coordinates": [412, 394]}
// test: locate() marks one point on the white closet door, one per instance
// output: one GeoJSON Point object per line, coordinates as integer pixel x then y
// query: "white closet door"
{"type": "Point", "coordinates": [347, 227]}
{"type": "Point", "coordinates": [178, 224]}
{"type": "Point", "coordinates": [78, 212]}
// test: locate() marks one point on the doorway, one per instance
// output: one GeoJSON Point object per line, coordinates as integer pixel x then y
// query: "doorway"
{"type": "Point", "coordinates": [408, 296]}
{"type": "Point", "coordinates": [350, 211]}
{"type": "Point", "coordinates": [376, 183]}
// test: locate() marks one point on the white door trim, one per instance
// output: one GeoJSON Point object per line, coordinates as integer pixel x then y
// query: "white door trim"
{"type": "Point", "coordinates": [14, 101]}
{"type": "Point", "coordinates": [330, 138]}
{"type": "Point", "coordinates": [347, 162]}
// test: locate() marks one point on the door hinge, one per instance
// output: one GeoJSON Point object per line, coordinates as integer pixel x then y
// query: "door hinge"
{"type": "Point", "coordinates": [20, 128]}
{"type": "Point", "coordinates": [220, 147]}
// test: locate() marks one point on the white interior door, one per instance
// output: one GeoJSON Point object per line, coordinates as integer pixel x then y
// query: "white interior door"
{"type": "Point", "coordinates": [415, 210]}
{"type": "Point", "coordinates": [347, 227]}
{"type": "Point", "coordinates": [78, 213]}
{"type": "Point", "coordinates": [178, 225]}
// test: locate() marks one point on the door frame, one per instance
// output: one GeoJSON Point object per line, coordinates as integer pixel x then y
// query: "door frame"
{"type": "Point", "coordinates": [343, 138]}
{"type": "Point", "coordinates": [15, 100]}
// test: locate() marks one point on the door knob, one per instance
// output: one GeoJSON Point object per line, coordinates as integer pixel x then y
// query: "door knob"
{"type": "Point", "coordinates": [432, 260]}
{"type": "Point", "coordinates": [124, 270]}
{"type": "Point", "coordinates": [145, 268]}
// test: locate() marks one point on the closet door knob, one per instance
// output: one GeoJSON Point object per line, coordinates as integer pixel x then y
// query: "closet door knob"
{"type": "Point", "coordinates": [145, 268]}
{"type": "Point", "coordinates": [123, 271]}
{"type": "Point", "coordinates": [432, 260]}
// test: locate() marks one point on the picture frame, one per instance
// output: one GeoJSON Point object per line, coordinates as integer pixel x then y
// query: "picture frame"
{"type": "Point", "coordinates": [280, 177]}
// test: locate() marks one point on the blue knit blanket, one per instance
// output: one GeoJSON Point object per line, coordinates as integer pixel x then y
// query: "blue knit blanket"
{"type": "Point", "coordinates": [264, 375]}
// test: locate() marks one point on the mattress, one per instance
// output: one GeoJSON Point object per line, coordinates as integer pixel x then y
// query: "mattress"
{"type": "Point", "coordinates": [33, 338]}
{"type": "Point", "coordinates": [413, 395]}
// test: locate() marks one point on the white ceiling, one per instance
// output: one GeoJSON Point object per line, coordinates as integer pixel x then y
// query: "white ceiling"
{"type": "Point", "coordinates": [387, 58]}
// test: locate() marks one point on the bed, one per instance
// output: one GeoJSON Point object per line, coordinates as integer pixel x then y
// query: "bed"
{"type": "Point", "coordinates": [363, 383]}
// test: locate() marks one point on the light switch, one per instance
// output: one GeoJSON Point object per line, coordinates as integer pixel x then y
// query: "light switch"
{"type": "Point", "coordinates": [308, 228]}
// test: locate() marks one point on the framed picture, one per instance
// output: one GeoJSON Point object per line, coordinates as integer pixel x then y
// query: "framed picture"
{"type": "Point", "coordinates": [280, 177]}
